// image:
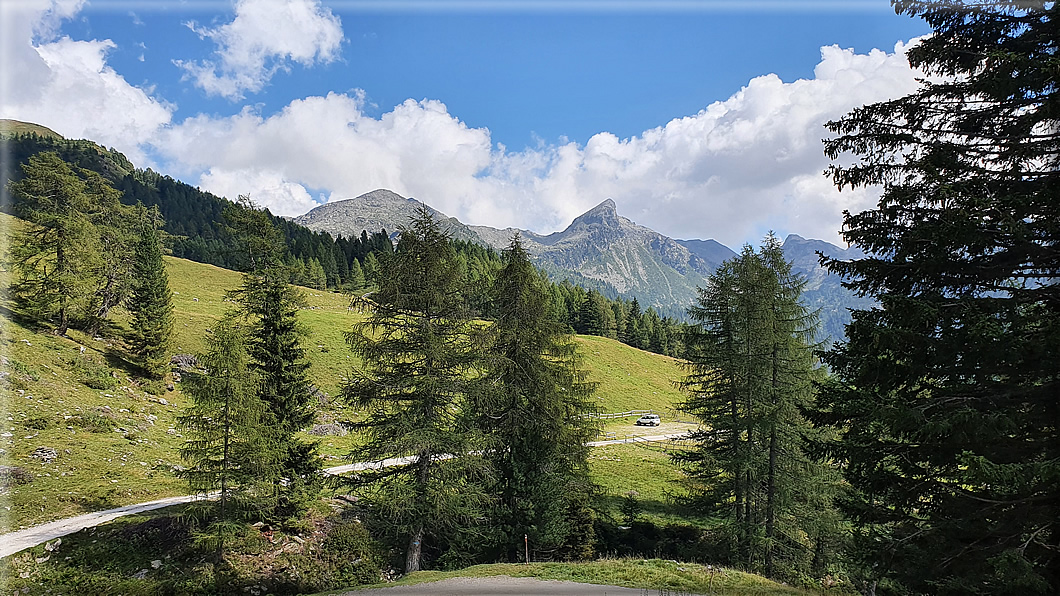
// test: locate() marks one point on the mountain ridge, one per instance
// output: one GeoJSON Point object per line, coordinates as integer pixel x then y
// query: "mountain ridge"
{"type": "Point", "coordinates": [634, 260]}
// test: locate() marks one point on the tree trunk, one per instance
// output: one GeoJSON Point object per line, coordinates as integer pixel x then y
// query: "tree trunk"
{"type": "Point", "coordinates": [412, 559]}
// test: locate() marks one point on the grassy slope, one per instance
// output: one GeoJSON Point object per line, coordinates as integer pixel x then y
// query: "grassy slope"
{"type": "Point", "coordinates": [667, 577]}
{"type": "Point", "coordinates": [132, 458]}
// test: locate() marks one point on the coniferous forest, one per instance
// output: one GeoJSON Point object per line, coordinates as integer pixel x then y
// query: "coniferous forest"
{"type": "Point", "coordinates": [919, 456]}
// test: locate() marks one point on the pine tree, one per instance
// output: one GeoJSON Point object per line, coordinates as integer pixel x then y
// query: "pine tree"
{"type": "Point", "coordinates": [751, 372]}
{"type": "Point", "coordinates": [417, 347]}
{"type": "Point", "coordinates": [532, 402]}
{"type": "Point", "coordinates": [355, 280]}
{"type": "Point", "coordinates": [55, 255]}
{"type": "Point", "coordinates": [946, 394]}
{"type": "Point", "coordinates": [151, 303]}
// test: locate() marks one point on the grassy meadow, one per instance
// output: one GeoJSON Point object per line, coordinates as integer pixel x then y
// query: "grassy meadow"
{"type": "Point", "coordinates": [82, 434]}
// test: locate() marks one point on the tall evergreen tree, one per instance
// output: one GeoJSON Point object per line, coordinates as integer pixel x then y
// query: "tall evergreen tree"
{"type": "Point", "coordinates": [532, 402]}
{"type": "Point", "coordinates": [751, 372]}
{"type": "Point", "coordinates": [151, 302]}
{"type": "Point", "coordinates": [417, 346]}
{"type": "Point", "coordinates": [946, 393]}
{"type": "Point", "coordinates": [270, 305]}
{"type": "Point", "coordinates": [55, 255]}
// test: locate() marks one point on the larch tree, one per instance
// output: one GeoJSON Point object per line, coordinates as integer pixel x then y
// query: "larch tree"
{"type": "Point", "coordinates": [946, 393]}
{"type": "Point", "coordinates": [417, 344]}
{"type": "Point", "coordinates": [227, 449]}
{"type": "Point", "coordinates": [750, 373]}
{"type": "Point", "coordinates": [533, 404]}
{"type": "Point", "coordinates": [55, 255]}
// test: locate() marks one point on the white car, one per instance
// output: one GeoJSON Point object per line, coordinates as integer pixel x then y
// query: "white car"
{"type": "Point", "coordinates": [648, 420]}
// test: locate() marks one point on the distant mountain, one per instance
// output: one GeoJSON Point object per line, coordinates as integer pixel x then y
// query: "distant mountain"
{"type": "Point", "coordinates": [375, 211]}
{"type": "Point", "coordinates": [602, 249]}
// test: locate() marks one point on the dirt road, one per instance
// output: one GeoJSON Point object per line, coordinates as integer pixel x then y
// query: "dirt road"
{"type": "Point", "coordinates": [13, 542]}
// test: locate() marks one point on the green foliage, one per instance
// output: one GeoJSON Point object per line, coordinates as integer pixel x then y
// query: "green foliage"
{"type": "Point", "coordinates": [151, 302]}
{"type": "Point", "coordinates": [417, 349]}
{"type": "Point", "coordinates": [270, 305]}
{"type": "Point", "coordinates": [227, 449]}
{"type": "Point", "coordinates": [532, 402]}
{"type": "Point", "coordinates": [54, 256]}
{"type": "Point", "coordinates": [945, 395]}
{"type": "Point", "coordinates": [750, 375]}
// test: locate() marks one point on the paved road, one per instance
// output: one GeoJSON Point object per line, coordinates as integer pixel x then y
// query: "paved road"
{"type": "Point", "coordinates": [502, 585]}
{"type": "Point", "coordinates": [13, 542]}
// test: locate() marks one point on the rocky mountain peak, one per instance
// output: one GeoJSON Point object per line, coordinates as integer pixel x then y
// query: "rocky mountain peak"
{"type": "Point", "coordinates": [605, 214]}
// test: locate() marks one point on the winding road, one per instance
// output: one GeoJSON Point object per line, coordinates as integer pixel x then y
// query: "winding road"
{"type": "Point", "coordinates": [13, 542]}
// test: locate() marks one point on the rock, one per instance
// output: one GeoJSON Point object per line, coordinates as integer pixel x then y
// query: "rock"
{"type": "Point", "coordinates": [139, 574]}
{"type": "Point", "coordinates": [44, 454]}
{"type": "Point", "coordinates": [52, 546]}
{"type": "Point", "coordinates": [169, 386]}
{"type": "Point", "coordinates": [331, 429]}
{"type": "Point", "coordinates": [156, 563]}
{"type": "Point", "coordinates": [163, 401]}
{"type": "Point", "coordinates": [184, 362]}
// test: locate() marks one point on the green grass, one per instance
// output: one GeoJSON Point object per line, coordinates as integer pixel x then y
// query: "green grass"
{"type": "Point", "coordinates": [651, 574]}
{"type": "Point", "coordinates": [618, 469]}
{"type": "Point", "coordinates": [117, 442]}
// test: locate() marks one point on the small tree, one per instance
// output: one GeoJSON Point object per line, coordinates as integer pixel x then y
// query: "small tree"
{"type": "Point", "coordinates": [151, 302]}
{"type": "Point", "coordinates": [227, 449]}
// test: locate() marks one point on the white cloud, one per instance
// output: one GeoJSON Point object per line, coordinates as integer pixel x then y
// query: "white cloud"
{"type": "Point", "coordinates": [67, 86]}
{"type": "Point", "coordinates": [735, 169]}
{"type": "Point", "coordinates": [264, 37]}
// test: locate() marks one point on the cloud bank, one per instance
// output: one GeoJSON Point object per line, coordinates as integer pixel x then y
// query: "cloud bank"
{"type": "Point", "coordinates": [67, 86]}
{"type": "Point", "coordinates": [732, 171]}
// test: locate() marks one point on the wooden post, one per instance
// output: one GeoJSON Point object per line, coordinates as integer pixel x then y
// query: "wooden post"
{"type": "Point", "coordinates": [526, 545]}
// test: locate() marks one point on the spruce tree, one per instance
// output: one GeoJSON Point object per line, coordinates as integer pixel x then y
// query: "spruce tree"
{"type": "Point", "coordinates": [151, 303]}
{"type": "Point", "coordinates": [417, 347]}
{"type": "Point", "coordinates": [270, 305]}
{"type": "Point", "coordinates": [532, 401]}
{"type": "Point", "coordinates": [946, 393]}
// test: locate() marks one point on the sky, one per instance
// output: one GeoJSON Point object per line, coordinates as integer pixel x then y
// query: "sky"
{"type": "Point", "coordinates": [699, 118]}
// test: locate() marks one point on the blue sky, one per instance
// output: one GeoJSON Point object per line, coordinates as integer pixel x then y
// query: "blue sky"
{"type": "Point", "coordinates": [700, 119]}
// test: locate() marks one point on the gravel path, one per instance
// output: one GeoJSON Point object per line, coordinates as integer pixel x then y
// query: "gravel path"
{"type": "Point", "coordinates": [13, 542]}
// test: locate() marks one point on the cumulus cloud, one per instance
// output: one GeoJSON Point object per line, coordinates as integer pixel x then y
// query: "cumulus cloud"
{"type": "Point", "coordinates": [735, 169]}
{"type": "Point", "coordinates": [66, 84]}
{"type": "Point", "coordinates": [265, 37]}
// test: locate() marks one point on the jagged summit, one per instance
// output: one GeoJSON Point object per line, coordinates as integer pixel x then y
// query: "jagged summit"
{"type": "Point", "coordinates": [604, 214]}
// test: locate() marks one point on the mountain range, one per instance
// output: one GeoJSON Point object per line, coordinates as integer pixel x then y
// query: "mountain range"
{"type": "Point", "coordinates": [603, 249]}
